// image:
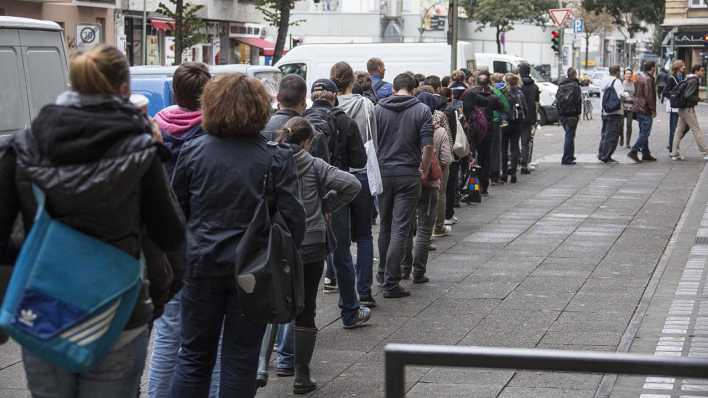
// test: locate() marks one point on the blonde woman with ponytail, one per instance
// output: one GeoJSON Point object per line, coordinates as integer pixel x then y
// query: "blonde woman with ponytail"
{"type": "Point", "coordinates": [93, 156]}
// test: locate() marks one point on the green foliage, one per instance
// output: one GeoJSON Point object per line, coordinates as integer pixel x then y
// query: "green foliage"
{"type": "Point", "coordinates": [192, 27]}
{"type": "Point", "coordinates": [629, 14]}
{"type": "Point", "coordinates": [271, 10]}
{"type": "Point", "coordinates": [502, 14]}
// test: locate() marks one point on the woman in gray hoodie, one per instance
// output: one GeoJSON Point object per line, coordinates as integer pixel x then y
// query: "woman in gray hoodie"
{"type": "Point", "coordinates": [361, 110]}
{"type": "Point", "coordinates": [323, 190]}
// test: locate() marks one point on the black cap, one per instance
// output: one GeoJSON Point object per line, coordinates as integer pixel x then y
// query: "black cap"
{"type": "Point", "coordinates": [324, 85]}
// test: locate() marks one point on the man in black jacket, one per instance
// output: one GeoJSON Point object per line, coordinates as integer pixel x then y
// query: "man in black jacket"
{"type": "Point", "coordinates": [570, 105]}
{"type": "Point", "coordinates": [687, 115]}
{"type": "Point", "coordinates": [291, 102]}
{"type": "Point", "coordinates": [533, 96]}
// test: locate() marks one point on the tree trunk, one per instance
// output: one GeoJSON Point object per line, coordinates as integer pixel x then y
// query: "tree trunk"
{"type": "Point", "coordinates": [179, 31]}
{"type": "Point", "coordinates": [499, 46]}
{"type": "Point", "coordinates": [587, 49]}
{"type": "Point", "coordinates": [283, 25]}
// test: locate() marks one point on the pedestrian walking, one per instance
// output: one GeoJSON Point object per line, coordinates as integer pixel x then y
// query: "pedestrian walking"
{"type": "Point", "coordinates": [377, 71]}
{"type": "Point", "coordinates": [405, 130]}
{"type": "Point", "coordinates": [511, 134]}
{"type": "Point", "coordinates": [645, 111]}
{"type": "Point", "coordinates": [612, 115]}
{"type": "Point", "coordinates": [361, 110]}
{"type": "Point", "coordinates": [678, 73]}
{"type": "Point", "coordinates": [219, 179]}
{"type": "Point", "coordinates": [689, 93]}
{"type": "Point", "coordinates": [569, 100]}
{"type": "Point", "coordinates": [324, 189]}
{"type": "Point", "coordinates": [98, 160]}
{"type": "Point", "coordinates": [533, 97]}
{"type": "Point", "coordinates": [292, 94]}
{"type": "Point", "coordinates": [480, 102]}
{"type": "Point", "coordinates": [179, 124]}
{"type": "Point", "coordinates": [628, 105]}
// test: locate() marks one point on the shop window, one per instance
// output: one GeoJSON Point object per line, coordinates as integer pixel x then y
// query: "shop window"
{"type": "Point", "coordinates": [697, 4]}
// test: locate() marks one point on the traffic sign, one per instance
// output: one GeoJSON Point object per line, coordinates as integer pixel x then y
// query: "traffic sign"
{"type": "Point", "coordinates": [579, 25]}
{"type": "Point", "coordinates": [559, 15]}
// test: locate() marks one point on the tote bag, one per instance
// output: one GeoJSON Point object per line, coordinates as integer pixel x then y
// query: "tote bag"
{"type": "Point", "coordinates": [70, 294]}
{"type": "Point", "coordinates": [373, 172]}
{"type": "Point", "coordinates": [461, 147]}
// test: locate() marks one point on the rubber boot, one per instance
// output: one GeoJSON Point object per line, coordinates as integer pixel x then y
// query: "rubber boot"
{"type": "Point", "coordinates": [264, 355]}
{"type": "Point", "coordinates": [304, 347]}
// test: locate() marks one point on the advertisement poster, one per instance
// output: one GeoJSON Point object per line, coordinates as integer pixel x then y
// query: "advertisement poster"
{"type": "Point", "coordinates": [153, 50]}
{"type": "Point", "coordinates": [169, 50]}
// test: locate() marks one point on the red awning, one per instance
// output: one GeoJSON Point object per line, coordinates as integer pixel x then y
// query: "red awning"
{"type": "Point", "coordinates": [267, 47]}
{"type": "Point", "coordinates": [163, 26]}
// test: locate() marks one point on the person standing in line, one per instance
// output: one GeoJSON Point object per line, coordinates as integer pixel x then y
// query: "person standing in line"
{"type": "Point", "coordinates": [405, 129]}
{"type": "Point", "coordinates": [481, 96]}
{"type": "Point", "coordinates": [458, 86]}
{"type": "Point", "coordinates": [451, 112]}
{"type": "Point", "coordinates": [678, 72]}
{"type": "Point", "coordinates": [612, 115]}
{"type": "Point", "coordinates": [362, 86]}
{"type": "Point", "coordinates": [511, 134]}
{"type": "Point", "coordinates": [361, 110]}
{"type": "Point", "coordinates": [569, 100]}
{"type": "Point", "coordinates": [101, 174]}
{"type": "Point", "coordinates": [377, 71]}
{"type": "Point", "coordinates": [628, 102]}
{"type": "Point", "coordinates": [687, 114]}
{"type": "Point", "coordinates": [219, 179]}
{"type": "Point", "coordinates": [501, 120]}
{"type": "Point", "coordinates": [292, 94]}
{"type": "Point", "coordinates": [645, 110]}
{"type": "Point", "coordinates": [532, 94]}
{"type": "Point", "coordinates": [325, 189]}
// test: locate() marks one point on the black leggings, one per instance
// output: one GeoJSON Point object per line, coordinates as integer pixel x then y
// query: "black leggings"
{"type": "Point", "coordinates": [453, 187]}
{"type": "Point", "coordinates": [484, 150]}
{"type": "Point", "coordinates": [312, 276]}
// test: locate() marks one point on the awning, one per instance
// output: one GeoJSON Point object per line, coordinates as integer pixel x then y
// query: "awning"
{"type": "Point", "coordinates": [162, 26]}
{"type": "Point", "coordinates": [267, 47]}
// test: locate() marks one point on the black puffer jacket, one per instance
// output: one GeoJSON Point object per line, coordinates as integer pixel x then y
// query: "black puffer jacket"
{"type": "Point", "coordinates": [219, 182]}
{"type": "Point", "coordinates": [99, 169]}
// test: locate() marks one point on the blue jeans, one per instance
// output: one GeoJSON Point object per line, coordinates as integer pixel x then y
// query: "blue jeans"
{"type": "Point", "coordinates": [570, 124]}
{"type": "Point", "coordinates": [210, 310]}
{"type": "Point", "coordinates": [673, 122]}
{"type": "Point", "coordinates": [645, 122]}
{"type": "Point", "coordinates": [286, 347]}
{"type": "Point", "coordinates": [344, 267]}
{"type": "Point", "coordinates": [362, 208]}
{"type": "Point", "coordinates": [165, 346]}
{"type": "Point", "coordinates": [117, 375]}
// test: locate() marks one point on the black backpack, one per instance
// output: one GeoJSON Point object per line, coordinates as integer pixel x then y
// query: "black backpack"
{"type": "Point", "coordinates": [567, 100]}
{"type": "Point", "coordinates": [517, 108]}
{"type": "Point", "coordinates": [610, 100]}
{"type": "Point", "coordinates": [325, 126]}
{"type": "Point", "coordinates": [677, 95]}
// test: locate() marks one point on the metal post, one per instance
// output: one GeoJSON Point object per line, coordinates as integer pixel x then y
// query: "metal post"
{"type": "Point", "coordinates": [144, 38]}
{"type": "Point", "coordinates": [455, 33]}
{"type": "Point", "coordinates": [394, 375]}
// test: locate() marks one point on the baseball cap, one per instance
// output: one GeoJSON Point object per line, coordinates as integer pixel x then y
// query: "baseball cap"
{"type": "Point", "coordinates": [324, 85]}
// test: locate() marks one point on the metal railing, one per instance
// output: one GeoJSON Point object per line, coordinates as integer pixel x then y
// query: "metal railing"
{"type": "Point", "coordinates": [398, 356]}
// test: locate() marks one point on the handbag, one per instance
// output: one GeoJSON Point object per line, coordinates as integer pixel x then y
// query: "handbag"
{"type": "Point", "coordinates": [461, 147]}
{"type": "Point", "coordinates": [373, 172]}
{"type": "Point", "coordinates": [70, 294]}
{"type": "Point", "coordinates": [268, 267]}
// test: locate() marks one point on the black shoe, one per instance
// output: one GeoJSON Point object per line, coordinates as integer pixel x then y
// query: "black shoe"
{"type": "Point", "coordinates": [305, 339]}
{"type": "Point", "coordinates": [396, 292]}
{"type": "Point", "coordinates": [405, 275]}
{"type": "Point", "coordinates": [367, 301]}
{"type": "Point", "coordinates": [513, 178]}
{"type": "Point", "coordinates": [432, 248]}
{"type": "Point", "coordinates": [610, 160]}
{"type": "Point", "coordinates": [329, 285]}
{"type": "Point", "coordinates": [525, 170]}
{"type": "Point", "coordinates": [633, 155]}
{"type": "Point", "coordinates": [420, 279]}
{"type": "Point", "coordinates": [484, 192]}
{"type": "Point", "coordinates": [571, 163]}
{"type": "Point", "coordinates": [646, 157]}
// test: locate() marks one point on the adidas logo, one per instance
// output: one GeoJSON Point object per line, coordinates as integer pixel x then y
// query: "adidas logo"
{"type": "Point", "coordinates": [27, 317]}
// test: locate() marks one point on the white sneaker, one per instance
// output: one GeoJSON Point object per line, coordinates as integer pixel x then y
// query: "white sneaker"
{"type": "Point", "coordinates": [452, 221]}
{"type": "Point", "coordinates": [705, 157]}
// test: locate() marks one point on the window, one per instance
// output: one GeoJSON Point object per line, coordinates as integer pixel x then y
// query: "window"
{"type": "Point", "coordinates": [13, 112]}
{"type": "Point", "coordinates": [697, 4]}
{"type": "Point", "coordinates": [298, 69]}
{"type": "Point", "coordinates": [502, 67]}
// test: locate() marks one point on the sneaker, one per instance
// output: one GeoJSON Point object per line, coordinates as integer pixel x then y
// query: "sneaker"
{"type": "Point", "coordinates": [420, 279]}
{"type": "Point", "coordinates": [633, 155]}
{"type": "Point", "coordinates": [362, 316]}
{"type": "Point", "coordinates": [432, 248]}
{"type": "Point", "coordinates": [673, 157]}
{"type": "Point", "coordinates": [396, 292]}
{"type": "Point", "coordinates": [330, 285]}
{"type": "Point", "coordinates": [367, 301]}
{"type": "Point", "coordinates": [610, 160]}
{"type": "Point", "coordinates": [439, 233]}
{"type": "Point", "coordinates": [379, 279]}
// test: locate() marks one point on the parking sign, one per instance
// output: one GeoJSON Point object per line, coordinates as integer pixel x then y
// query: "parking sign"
{"type": "Point", "coordinates": [579, 25]}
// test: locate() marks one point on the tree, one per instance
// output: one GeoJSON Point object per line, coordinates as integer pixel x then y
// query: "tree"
{"type": "Point", "coordinates": [594, 23]}
{"type": "Point", "coordinates": [189, 28]}
{"type": "Point", "coordinates": [277, 13]}
{"type": "Point", "coordinates": [502, 14]}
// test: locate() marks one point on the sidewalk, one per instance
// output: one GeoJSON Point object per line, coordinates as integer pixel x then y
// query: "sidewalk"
{"type": "Point", "coordinates": [560, 260]}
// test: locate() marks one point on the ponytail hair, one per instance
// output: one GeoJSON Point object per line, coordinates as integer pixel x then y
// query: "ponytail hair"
{"type": "Point", "coordinates": [296, 131]}
{"type": "Point", "coordinates": [101, 70]}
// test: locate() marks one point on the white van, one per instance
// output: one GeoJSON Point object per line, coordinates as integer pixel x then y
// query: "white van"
{"type": "Point", "coordinates": [33, 61]}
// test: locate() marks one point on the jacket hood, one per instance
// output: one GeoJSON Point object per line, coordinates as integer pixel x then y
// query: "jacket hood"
{"type": "Point", "coordinates": [527, 80]}
{"type": "Point", "coordinates": [429, 100]}
{"type": "Point", "coordinates": [352, 104]}
{"type": "Point", "coordinates": [568, 81]}
{"type": "Point", "coordinates": [303, 159]}
{"type": "Point", "coordinates": [398, 103]}
{"type": "Point", "coordinates": [177, 121]}
{"type": "Point", "coordinates": [82, 129]}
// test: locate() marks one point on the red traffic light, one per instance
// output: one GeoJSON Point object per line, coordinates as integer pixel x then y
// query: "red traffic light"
{"type": "Point", "coordinates": [556, 34]}
{"type": "Point", "coordinates": [705, 37]}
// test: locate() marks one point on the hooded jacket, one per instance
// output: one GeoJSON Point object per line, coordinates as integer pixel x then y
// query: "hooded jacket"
{"type": "Point", "coordinates": [532, 94]}
{"type": "Point", "coordinates": [276, 122]}
{"type": "Point", "coordinates": [361, 110]}
{"type": "Point", "coordinates": [324, 189]}
{"type": "Point", "coordinates": [404, 127]}
{"type": "Point", "coordinates": [615, 83]}
{"type": "Point", "coordinates": [101, 175]}
{"type": "Point", "coordinates": [691, 91]}
{"type": "Point", "coordinates": [346, 149]}
{"type": "Point", "coordinates": [645, 95]}
{"type": "Point", "coordinates": [178, 125]}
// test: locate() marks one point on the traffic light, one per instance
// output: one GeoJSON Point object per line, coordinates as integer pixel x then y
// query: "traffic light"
{"type": "Point", "coordinates": [556, 41]}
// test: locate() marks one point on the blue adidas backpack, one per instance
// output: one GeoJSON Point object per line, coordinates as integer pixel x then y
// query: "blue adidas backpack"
{"type": "Point", "coordinates": [70, 294]}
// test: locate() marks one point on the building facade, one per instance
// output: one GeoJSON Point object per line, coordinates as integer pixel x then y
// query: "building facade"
{"type": "Point", "coordinates": [686, 25]}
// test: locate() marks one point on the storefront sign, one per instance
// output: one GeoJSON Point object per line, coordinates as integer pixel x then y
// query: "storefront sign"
{"type": "Point", "coordinates": [689, 39]}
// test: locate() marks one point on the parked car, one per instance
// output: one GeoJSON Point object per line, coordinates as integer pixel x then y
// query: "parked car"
{"type": "Point", "coordinates": [596, 77]}
{"type": "Point", "coordinates": [155, 82]}
{"type": "Point", "coordinates": [34, 69]}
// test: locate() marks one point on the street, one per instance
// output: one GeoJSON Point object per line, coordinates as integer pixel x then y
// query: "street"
{"type": "Point", "coordinates": [585, 257]}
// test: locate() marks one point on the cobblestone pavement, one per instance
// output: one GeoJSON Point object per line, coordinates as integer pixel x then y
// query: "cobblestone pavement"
{"type": "Point", "coordinates": [583, 257]}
